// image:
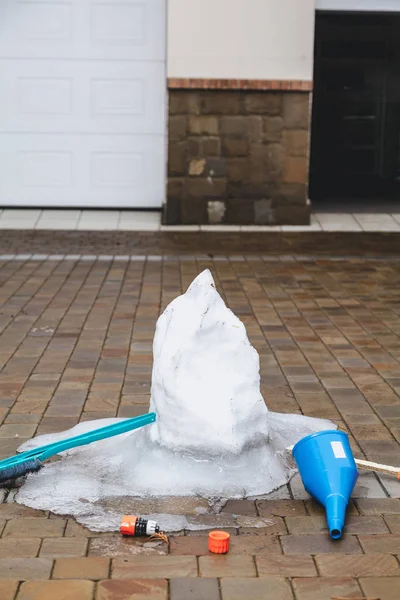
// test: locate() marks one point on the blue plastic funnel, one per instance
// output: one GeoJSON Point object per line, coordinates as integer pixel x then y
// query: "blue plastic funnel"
{"type": "Point", "coordinates": [329, 473]}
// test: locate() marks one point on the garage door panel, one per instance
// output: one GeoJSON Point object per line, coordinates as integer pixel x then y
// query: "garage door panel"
{"type": "Point", "coordinates": [86, 97]}
{"type": "Point", "coordinates": [103, 171]}
{"type": "Point", "coordinates": [82, 103]}
{"type": "Point", "coordinates": [126, 30]}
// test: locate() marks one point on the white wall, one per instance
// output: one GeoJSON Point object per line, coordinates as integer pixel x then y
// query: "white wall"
{"type": "Point", "coordinates": [360, 5]}
{"type": "Point", "coordinates": [241, 39]}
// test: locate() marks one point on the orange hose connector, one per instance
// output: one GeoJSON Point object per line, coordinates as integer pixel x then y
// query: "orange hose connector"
{"type": "Point", "coordinates": [128, 525]}
{"type": "Point", "coordinates": [138, 526]}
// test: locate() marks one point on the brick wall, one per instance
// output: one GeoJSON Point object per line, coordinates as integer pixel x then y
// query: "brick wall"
{"type": "Point", "coordinates": [238, 157]}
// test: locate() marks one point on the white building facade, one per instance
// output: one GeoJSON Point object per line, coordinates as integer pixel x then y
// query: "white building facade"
{"type": "Point", "coordinates": [200, 108]}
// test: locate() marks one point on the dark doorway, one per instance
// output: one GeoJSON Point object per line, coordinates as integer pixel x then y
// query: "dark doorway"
{"type": "Point", "coordinates": [355, 134]}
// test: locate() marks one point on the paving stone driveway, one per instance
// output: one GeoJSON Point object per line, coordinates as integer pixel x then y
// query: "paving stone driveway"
{"type": "Point", "coordinates": [75, 344]}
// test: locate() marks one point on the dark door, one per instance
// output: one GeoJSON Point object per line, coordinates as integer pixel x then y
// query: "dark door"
{"type": "Point", "coordinates": [356, 106]}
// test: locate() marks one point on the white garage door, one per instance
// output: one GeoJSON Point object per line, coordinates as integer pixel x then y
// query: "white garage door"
{"type": "Point", "coordinates": [82, 103]}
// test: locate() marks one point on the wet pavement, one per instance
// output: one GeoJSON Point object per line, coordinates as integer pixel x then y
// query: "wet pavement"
{"type": "Point", "coordinates": [76, 344]}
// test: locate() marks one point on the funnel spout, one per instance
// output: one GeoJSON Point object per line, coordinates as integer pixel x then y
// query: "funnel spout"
{"type": "Point", "coordinates": [335, 507]}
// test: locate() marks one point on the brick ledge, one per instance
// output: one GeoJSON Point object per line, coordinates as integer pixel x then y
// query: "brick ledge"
{"type": "Point", "coordinates": [290, 85]}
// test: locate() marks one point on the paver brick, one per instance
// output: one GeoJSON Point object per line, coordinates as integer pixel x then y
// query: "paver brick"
{"type": "Point", "coordinates": [384, 588]}
{"type": "Point", "coordinates": [240, 507]}
{"type": "Point", "coordinates": [135, 589]}
{"type": "Point", "coordinates": [386, 544]}
{"type": "Point", "coordinates": [378, 506]}
{"type": "Point", "coordinates": [56, 590]}
{"type": "Point", "coordinates": [147, 567]}
{"type": "Point", "coordinates": [21, 528]}
{"type": "Point", "coordinates": [266, 588]}
{"type": "Point", "coordinates": [367, 524]}
{"type": "Point", "coordinates": [363, 565]}
{"type": "Point", "coordinates": [227, 566]}
{"type": "Point", "coordinates": [114, 546]}
{"type": "Point", "coordinates": [8, 589]}
{"type": "Point", "coordinates": [25, 568]}
{"type": "Point", "coordinates": [194, 589]}
{"type": "Point", "coordinates": [92, 567]}
{"type": "Point", "coordinates": [317, 544]}
{"type": "Point", "coordinates": [194, 545]}
{"type": "Point", "coordinates": [254, 544]}
{"type": "Point", "coordinates": [266, 526]}
{"type": "Point", "coordinates": [280, 508]}
{"type": "Point", "coordinates": [19, 548]}
{"type": "Point", "coordinates": [17, 430]}
{"type": "Point", "coordinates": [220, 521]}
{"type": "Point", "coordinates": [299, 525]}
{"type": "Point", "coordinates": [12, 510]}
{"type": "Point", "coordinates": [285, 565]}
{"type": "Point", "coordinates": [326, 588]}
{"type": "Point", "coordinates": [63, 547]}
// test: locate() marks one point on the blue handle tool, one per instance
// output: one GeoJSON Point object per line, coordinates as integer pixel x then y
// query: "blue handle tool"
{"type": "Point", "coordinates": [31, 460]}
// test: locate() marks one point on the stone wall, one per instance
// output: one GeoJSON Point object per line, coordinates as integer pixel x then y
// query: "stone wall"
{"type": "Point", "coordinates": [238, 157]}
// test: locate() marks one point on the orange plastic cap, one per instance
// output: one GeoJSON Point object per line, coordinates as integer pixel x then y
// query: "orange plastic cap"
{"type": "Point", "coordinates": [128, 525]}
{"type": "Point", "coordinates": [218, 542]}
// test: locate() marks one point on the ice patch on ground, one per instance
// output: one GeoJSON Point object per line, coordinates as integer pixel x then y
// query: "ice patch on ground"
{"type": "Point", "coordinates": [213, 438]}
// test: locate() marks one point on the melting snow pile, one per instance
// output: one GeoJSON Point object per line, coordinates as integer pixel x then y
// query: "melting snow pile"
{"type": "Point", "coordinates": [213, 437]}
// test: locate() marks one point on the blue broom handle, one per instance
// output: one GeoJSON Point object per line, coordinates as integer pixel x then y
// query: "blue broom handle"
{"type": "Point", "coordinates": [98, 434]}
{"type": "Point", "coordinates": [81, 440]}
